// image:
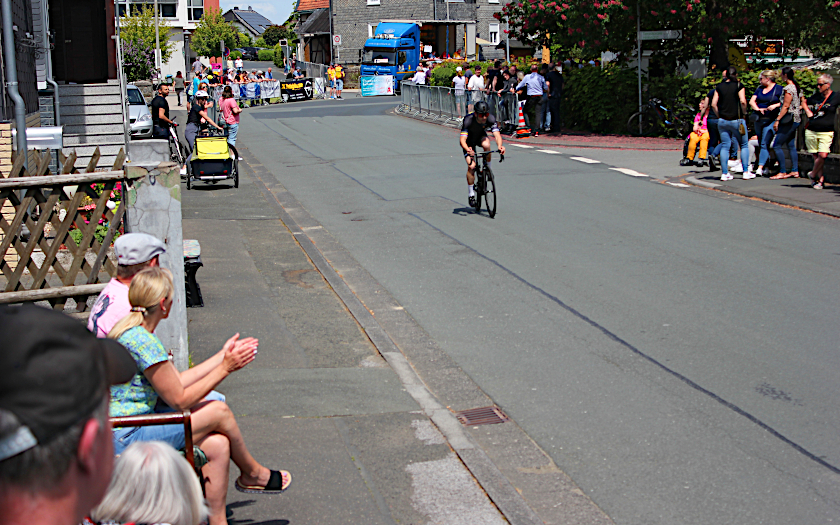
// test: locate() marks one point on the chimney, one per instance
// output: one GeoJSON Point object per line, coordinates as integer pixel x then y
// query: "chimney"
{"type": "Point", "coordinates": [236, 8]}
{"type": "Point", "coordinates": [250, 8]}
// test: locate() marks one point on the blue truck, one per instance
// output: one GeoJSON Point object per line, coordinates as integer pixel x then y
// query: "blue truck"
{"type": "Point", "coordinates": [393, 50]}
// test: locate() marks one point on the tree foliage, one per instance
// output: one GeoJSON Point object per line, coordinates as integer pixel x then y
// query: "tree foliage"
{"type": "Point", "coordinates": [210, 31]}
{"type": "Point", "coordinates": [138, 61]}
{"type": "Point", "coordinates": [139, 30]}
{"type": "Point", "coordinates": [593, 26]}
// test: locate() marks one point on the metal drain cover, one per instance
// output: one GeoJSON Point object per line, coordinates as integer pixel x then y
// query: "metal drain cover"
{"type": "Point", "coordinates": [482, 416]}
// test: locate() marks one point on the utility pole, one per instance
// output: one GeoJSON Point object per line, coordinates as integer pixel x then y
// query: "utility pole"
{"type": "Point", "coordinates": [157, 40]}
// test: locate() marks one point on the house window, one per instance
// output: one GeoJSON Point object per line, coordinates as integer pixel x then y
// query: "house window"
{"type": "Point", "coordinates": [372, 2]}
{"type": "Point", "coordinates": [494, 33]}
{"type": "Point", "coordinates": [372, 30]}
{"type": "Point", "coordinates": [195, 8]}
{"type": "Point", "coordinates": [492, 1]}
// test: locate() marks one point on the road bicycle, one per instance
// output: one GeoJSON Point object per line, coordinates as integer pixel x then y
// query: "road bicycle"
{"type": "Point", "coordinates": [177, 151]}
{"type": "Point", "coordinates": [485, 183]}
{"type": "Point", "coordinates": [677, 118]}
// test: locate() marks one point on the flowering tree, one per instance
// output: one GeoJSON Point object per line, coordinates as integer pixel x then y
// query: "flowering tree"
{"type": "Point", "coordinates": [138, 61]}
{"type": "Point", "coordinates": [594, 26]}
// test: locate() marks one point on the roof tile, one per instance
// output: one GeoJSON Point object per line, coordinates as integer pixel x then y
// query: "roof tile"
{"type": "Point", "coordinates": [310, 5]}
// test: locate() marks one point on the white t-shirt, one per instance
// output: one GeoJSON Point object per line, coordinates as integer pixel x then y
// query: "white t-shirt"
{"type": "Point", "coordinates": [459, 82]}
{"type": "Point", "coordinates": [419, 77]}
{"type": "Point", "coordinates": [238, 62]}
{"type": "Point", "coordinates": [476, 83]}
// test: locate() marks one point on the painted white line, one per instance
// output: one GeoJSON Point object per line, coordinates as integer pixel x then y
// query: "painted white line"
{"type": "Point", "coordinates": [522, 146]}
{"type": "Point", "coordinates": [584, 159]}
{"type": "Point", "coordinates": [551, 151]}
{"type": "Point", "coordinates": [627, 171]}
{"type": "Point", "coordinates": [679, 185]}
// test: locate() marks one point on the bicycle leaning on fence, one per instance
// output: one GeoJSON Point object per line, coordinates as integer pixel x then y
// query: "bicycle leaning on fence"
{"type": "Point", "coordinates": [177, 151]}
{"type": "Point", "coordinates": [485, 182]}
{"type": "Point", "coordinates": [676, 117]}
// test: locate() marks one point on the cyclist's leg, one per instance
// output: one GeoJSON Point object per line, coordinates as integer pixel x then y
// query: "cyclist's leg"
{"type": "Point", "coordinates": [470, 160]}
{"type": "Point", "coordinates": [485, 145]}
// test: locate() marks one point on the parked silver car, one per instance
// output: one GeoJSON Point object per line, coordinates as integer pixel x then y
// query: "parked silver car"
{"type": "Point", "coordinates": [139, 115]}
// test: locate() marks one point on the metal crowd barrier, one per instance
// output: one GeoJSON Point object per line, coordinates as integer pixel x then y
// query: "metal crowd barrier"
{"type": "Point", "coordinates": [443, 104]}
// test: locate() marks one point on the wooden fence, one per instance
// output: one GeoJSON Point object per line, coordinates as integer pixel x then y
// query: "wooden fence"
{"type": "Point", "coordinates": [56, 231]}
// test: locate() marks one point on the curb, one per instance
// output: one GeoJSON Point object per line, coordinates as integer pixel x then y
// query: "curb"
{"type": "Point", "coordinates": [762, 196]}
{"type": "Point", "coordinates": [498, 488]}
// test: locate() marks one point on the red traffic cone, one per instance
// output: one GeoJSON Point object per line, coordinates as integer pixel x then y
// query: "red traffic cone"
{"type": "Point", "coordinates": [521, 130]}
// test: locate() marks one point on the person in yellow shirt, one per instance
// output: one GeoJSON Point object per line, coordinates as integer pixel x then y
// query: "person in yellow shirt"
{"type": "Point", "coordinates": [331, 78]}
{"type": "Point", "coordinates": [339, 80]}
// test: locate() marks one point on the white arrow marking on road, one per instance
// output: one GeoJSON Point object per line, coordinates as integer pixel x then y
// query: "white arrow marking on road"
{"type": "Point", "coordinates": [679, 184]}
{"type": "Point", "coordinates": [522, 146]}
{"type": "Point", "coordinates": [549, 151]}
{"type": "Point", "coordinates": [584, 159]}
{"type": "Point", "coordinates": [627, 171]}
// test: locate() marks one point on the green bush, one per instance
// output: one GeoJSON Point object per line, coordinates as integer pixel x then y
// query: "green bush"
{"type": "Point", "coordinates": [266, 55]}
{"type": "Point", "coordinates": [100, 233]}
{"type": "Point", "coordinates": [278, 56]}
{"type": "Point", "coordinates": [235, 54]}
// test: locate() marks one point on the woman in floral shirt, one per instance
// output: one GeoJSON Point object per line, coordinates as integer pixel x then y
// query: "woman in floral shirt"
{"type": "Point", "coordinates": [214, 428]}
{"type": "Point", "coordinates": [786, 124]}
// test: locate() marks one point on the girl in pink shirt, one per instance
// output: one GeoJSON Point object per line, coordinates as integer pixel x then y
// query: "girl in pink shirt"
{"type": "Point", "coordinates": [231, 111]}
{"type": "Point", "coordinates": [700, 135]}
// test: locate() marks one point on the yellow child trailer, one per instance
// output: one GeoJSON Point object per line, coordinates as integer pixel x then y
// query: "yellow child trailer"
{"type": "Point", "coordinates": [213, 159]}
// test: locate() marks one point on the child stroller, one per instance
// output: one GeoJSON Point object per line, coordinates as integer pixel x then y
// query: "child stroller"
{"type": "Point", "coordinates": [213, 159]}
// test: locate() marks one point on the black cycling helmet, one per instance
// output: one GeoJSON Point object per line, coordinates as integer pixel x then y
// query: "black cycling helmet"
{"type": "Point", "coordinates": [481, 107]}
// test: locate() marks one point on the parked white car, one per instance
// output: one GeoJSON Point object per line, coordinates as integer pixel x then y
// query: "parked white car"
{"type": "Point", "coordinates": [139, 115]}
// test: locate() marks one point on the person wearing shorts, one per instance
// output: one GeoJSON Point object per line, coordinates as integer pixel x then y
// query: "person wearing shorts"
{"type": "Point", "coordinates": [339, 81]}
{"type": "Point", "coordinates": [819, 135]}
{"type": "Point", "coordinates": [474, 133]}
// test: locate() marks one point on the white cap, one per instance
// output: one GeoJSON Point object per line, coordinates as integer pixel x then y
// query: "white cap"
{"type": "Point", "coordinates": [201, 93]}
{"type": "Point", "coordinates": [458, 68]}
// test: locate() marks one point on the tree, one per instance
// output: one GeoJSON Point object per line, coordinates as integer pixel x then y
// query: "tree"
{"type": "Point", "coordinates": [138, 61]}
{"type": "Point", "coordinates": [209, 33]}
{"type": "Point", "coordinates": [243, 40]}
{"type": "Point", "coordinates": [260, 42]}
{"type": "Point", "coordinates": [139, 30]}
{"type": "Point", "coordinates": [594, 26]}
{"type": "Point", "coordinates": [274, 34]}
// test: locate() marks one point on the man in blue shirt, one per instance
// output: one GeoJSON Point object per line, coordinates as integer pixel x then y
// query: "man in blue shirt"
{"type": "Point", "coordinates": [534, 86]}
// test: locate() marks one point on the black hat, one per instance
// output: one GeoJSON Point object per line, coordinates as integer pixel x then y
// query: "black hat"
{"type": "Point", "coordinates": [53, 373]}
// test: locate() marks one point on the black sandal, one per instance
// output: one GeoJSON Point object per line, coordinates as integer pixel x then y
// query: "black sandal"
{"type": "Point", "coordinates": [274, 485]}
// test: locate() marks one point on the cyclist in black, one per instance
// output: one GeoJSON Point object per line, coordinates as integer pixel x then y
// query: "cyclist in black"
{"type": "Point", "coordinates": [474, 133]}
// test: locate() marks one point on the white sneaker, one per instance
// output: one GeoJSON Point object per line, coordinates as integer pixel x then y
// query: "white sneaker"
{"type": "Point", "coordinates": [726, 176]}
{"type": "Point", "coordinates": [748, 175]}
{"type": "Point", "coordinates": [737, 168]}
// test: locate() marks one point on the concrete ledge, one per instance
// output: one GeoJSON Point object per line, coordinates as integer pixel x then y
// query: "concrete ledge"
{"type": "Point", "coordinates": [149, 151]}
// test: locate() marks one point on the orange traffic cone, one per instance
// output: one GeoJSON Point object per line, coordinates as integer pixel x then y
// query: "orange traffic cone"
{"type": "Point", "coordinates": [521, 130]}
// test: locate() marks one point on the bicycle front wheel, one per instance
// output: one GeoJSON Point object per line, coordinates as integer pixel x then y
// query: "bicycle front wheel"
{"type": "Point", "coordinates": [642, 123]}
{"type": "Point", "coordinates": [490, 192]}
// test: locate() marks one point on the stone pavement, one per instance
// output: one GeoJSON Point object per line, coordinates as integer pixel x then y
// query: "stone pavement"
{"type": "Point", "coordinates": [356, 406]}
{"type": "Point", "coordinates": [796, 192]}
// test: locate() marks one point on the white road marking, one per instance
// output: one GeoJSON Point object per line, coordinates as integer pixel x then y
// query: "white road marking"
{"type": "Point", "coordinates": [627, 171]}
{"type": "Point", "coordinates": [551, 151]}
{"type": "Point", "coordinates": [522, 146]}
{"type": "Point", "coordinates": [584, 159]}
{"type": "Point", "coordinates": [306, 228]}
{"type": "Point", "coordinates": [679, 184]}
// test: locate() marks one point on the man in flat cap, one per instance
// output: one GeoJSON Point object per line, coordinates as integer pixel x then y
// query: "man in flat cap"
{"type": "Point", "coordinates": [56, 444]}
{"type": "Point", "coordinates": [134, 252]}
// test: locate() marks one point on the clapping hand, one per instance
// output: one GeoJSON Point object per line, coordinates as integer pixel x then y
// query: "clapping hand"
{"type": "Point", "coordinates": [239, 352]}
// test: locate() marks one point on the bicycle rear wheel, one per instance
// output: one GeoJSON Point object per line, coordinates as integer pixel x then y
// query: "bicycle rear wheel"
{"type": "Point", "coordinates": [490, 191]}
{"type": "Point", "coordinates": [649, 120]}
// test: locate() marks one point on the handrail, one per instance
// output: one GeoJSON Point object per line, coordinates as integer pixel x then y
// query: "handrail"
{"type": "Point", "coordinates": [65, 180]}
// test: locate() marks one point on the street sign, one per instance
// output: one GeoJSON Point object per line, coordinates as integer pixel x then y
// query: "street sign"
{"type": "Point", "coordinates": [227, 52]}
{"type": "Point", "coordinates": [668, 34]}
{"type": "Point", "coordinates": [336, 40]}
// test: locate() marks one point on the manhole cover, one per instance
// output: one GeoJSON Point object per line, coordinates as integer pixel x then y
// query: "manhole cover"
{"type": "Point", "coordinates": [482, 416]}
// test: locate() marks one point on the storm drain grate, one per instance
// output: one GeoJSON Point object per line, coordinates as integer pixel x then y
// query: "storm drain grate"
{"type": "Point", "coordinates": [482, 416]}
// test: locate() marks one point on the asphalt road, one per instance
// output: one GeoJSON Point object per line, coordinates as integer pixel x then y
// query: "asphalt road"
{"type": "Point", "coordinates": [674, 350]}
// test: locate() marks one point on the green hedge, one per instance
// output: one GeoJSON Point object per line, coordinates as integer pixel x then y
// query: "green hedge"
{"type": "Point", "coordinates": [602, 100]}
{"type": "Point", "coordinates": [278, 56]}
{"type": "Point", "coordinates": [235, 54]}
{"type": "Point", "coordinates": [266, 55]}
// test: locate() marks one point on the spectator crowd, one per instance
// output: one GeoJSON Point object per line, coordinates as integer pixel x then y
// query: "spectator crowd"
{"type": "Point", "coordinates": [755, 134]}
{"type": "Point", "coordinates": [59, 383]}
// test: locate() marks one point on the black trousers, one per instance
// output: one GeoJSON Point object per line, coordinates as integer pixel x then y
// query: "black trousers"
{"type": "Point", "coordinates": [532, 107]}
{"type": "Point", "coordinates": [554, 108]}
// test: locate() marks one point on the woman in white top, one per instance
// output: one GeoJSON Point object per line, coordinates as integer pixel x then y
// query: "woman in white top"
{"type": "Point", "coordinates": [459, 83]}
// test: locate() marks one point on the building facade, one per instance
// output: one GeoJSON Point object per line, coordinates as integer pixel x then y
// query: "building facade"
{"type": "Point", "coordinates": [446, 26]}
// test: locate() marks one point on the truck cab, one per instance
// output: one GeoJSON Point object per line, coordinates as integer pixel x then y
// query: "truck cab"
{"type": "Point", "coordinates": [393, 50]}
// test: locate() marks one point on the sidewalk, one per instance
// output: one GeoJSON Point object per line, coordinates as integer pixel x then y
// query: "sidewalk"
{"type": "Point", "coordinates": [796, 192]}
{"type": "Point", "coordinates": [356, 406]}
{"type": "Point", "coordinates": [592, 140]}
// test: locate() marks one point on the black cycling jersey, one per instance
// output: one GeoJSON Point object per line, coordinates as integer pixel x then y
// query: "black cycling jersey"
{"type": "Point", "coordinates": [475, 132]}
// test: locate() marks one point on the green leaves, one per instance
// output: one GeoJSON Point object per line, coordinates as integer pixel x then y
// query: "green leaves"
{"type": "Point", "coordinates": [209, 33]}
{"type": "Point", "coordinates": [139, 30]}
